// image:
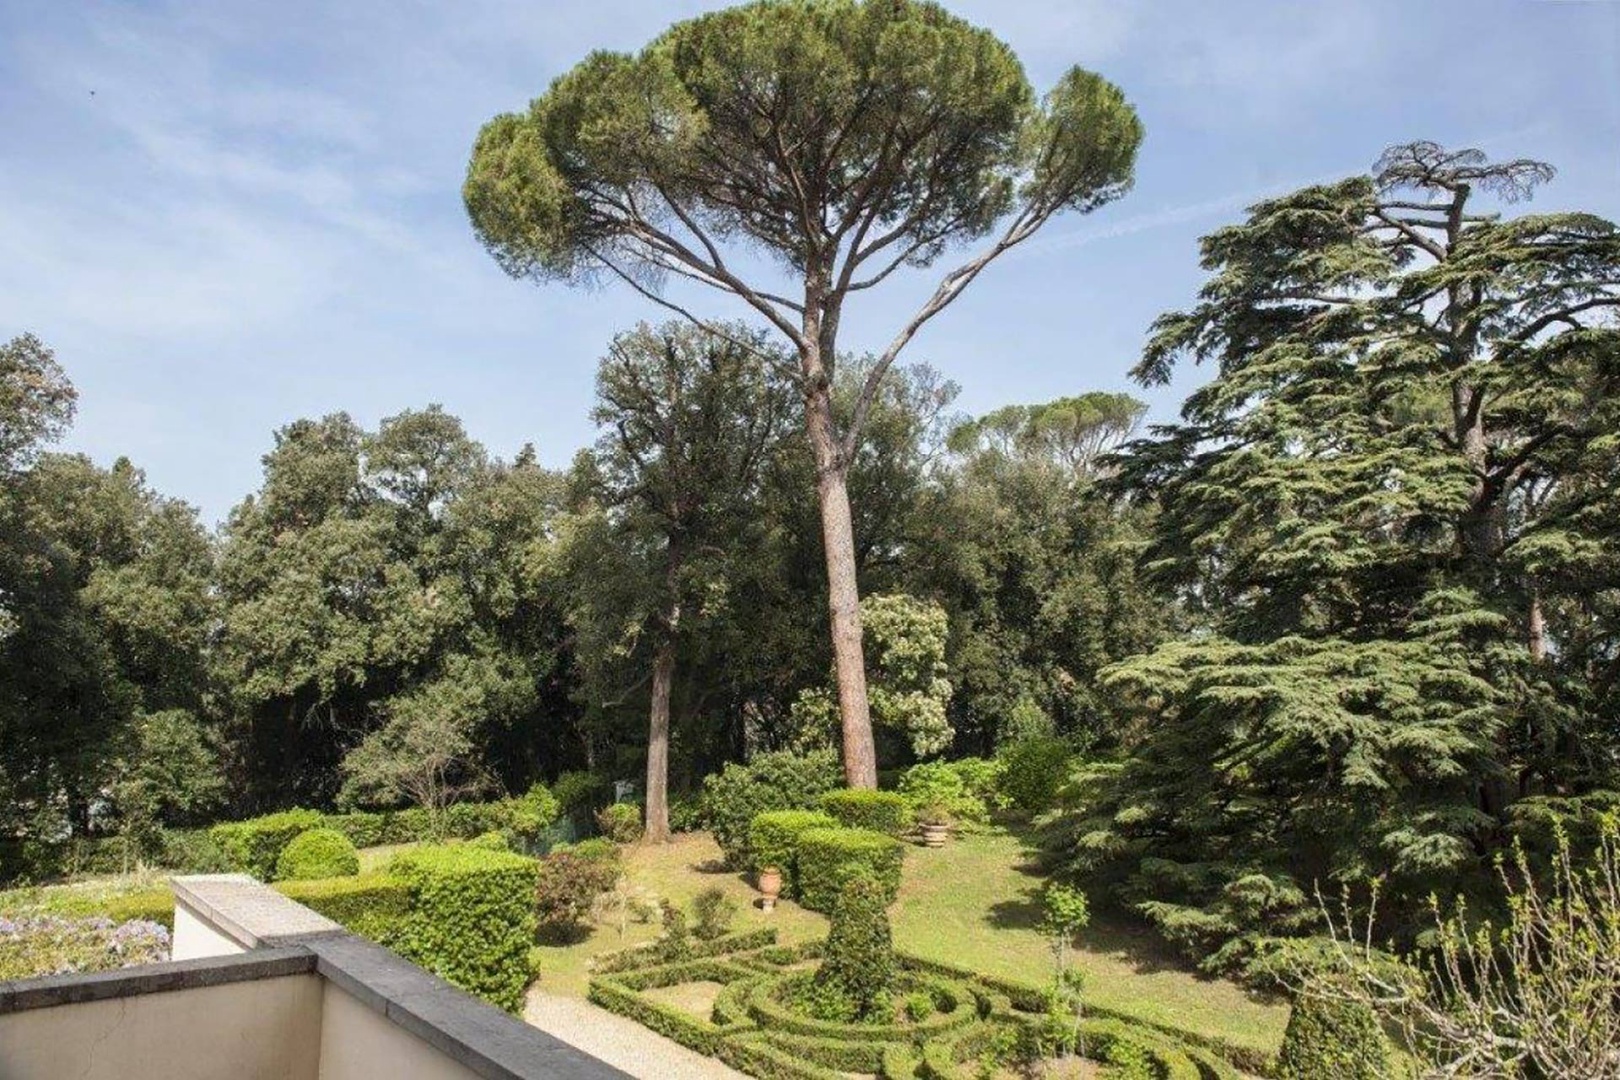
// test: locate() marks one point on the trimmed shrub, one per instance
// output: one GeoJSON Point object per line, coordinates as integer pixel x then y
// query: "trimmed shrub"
{"type": "Point", "coordinates": [471, 919]}
{"type": "Point", "coordinates": [782, 780]}
{"type": "Point", "coordinates": [254, 845]}
{"type": "Point", "coordinates": [827, 858]}
{"type": "Point", "coordinates": [569, 881]}
{"type": "Point", "coordinates": [774, 841]}
{"type": "Point", "coordinates": [858, 970]}
{"type": "Point", "coordinates": [492, 841]}
{"type": "Point", "coordinates": [371, 905]}
{"type": "Point", "coordinates": [363, 828]}
{"type": "Point", "coordinates": [1032, 770]}
{"type": "Point", "coordinates": [880, 811]}
{"type": "Point", "coordinates": [317, 853]}
{"type": "Point", "coordinates": [1337, 1039]}
{"type": "Point", "coordinates": [712, 914]}
{"type": "Point", "coordinates": [938, 783]}
{"type": "Point", "coordinates": [620, 822]}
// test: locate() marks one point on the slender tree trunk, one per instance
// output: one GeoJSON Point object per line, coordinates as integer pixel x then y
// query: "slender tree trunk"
{"type": "Point", "coordinates": [657, 827]}
{"type": "Point", "coordinates": [658, 742]}
{"type": "Point", "coordinates": [1538, 626]}
{"type": "Point", "coordinates": [843, 594]}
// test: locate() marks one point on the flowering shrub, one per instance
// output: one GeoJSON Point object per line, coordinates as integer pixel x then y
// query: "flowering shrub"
{"type": "Point", "coordinates": [32, 945]}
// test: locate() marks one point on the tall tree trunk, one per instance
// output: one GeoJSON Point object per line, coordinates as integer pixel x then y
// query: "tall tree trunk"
{"type": "Point", "coordinates": [843, 594]}
{"type": "Point", "coordinates": [1538, 626]}
{"type": "Point", "coordinates": [657, 827]}
{"type": "Point", "coordinates": [658, 741]}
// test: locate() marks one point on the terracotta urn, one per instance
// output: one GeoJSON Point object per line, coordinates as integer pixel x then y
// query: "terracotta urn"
{"type": "Point", "coordinates": [770, 887]}
{"type": "Point", "coordinates": [935, 834]}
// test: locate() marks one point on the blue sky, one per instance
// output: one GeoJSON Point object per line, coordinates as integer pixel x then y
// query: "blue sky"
{"type": "Point", "coordinates": [224, 214]}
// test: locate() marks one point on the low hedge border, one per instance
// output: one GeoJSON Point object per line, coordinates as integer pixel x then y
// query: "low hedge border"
{"type": "Point", "coordinates": [839, 1055]}
{"type": "Point", "coordinates": [711, 969]}
{"type": "Point", "coordinates": [770, 1013]}
{"type": "Point", "coordinates": [690, 1031]}
{"type": "Point", "coordinates": [646, 956]}
{"type": "Point", "coordinates": [752, 1054]}
{"type": "Point", "coordinates": [1027, 999]}
{"type": "Point", "coordinates": [898, 1062]}
{"type": "Point", "coordinates": [371, 905]}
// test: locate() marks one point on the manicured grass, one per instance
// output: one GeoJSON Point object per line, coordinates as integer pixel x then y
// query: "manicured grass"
{"type": "Point", "coordinates": [975, 902]}
{"type": "Point", "coordinates": [676, 871]}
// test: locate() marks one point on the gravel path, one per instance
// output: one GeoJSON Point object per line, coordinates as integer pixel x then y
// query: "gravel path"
{"type": "Point", "coordinates": [622, 1043]}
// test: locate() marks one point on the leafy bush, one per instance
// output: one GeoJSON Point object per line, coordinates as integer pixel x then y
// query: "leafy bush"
{"type": "Point", "coordinates": [363, 828]}
{"type": "Point", "coordinates": [471, 918]}
{"type": "Point", "coordinates": [939, 783]}
{"type": "Point", "coordinates": [531, 815]}
{"type": "Point", "coordinates": [880, 811]}
{"type": "Point", "coordinates": [34, 945]}
{"type": "Point", "coordinates": [371, 905]}
{"type": "Point", "coordinates": [191, 851]}
{"type": "Point", "coordinates": [620, 822]}
{"type": "Point", "coordinates": [1337, 1039]}
{"type": "Point", "coordinates": [774, 841]}
{"type": "Point", "coordinates": [858, 967]}
{"type": "Point", "coordinates": [492, 841]}
{"type": "Point", "coordinates": [597, 849]}
{"type": "Point", "coordinates": [783, 780]}
{"type": "Point", "coordinates": [569, 883]}
{"type": "Point", "coordinates": [254, 845]}
{"type": "Point", "coordinates": [582, 792]}
{"type": "Point", "coordinates": [1032, 770]}
{"type": "Point", "coordinates": [317, 853]}
{"type": "Point", "coordinates": [981, 778]}
{"type": "Point", "coordinates": [686, 814]}
{"type": "Point", "coordinates": [828, 858]}
{"type": "Point", "coordinates": [712, 913]}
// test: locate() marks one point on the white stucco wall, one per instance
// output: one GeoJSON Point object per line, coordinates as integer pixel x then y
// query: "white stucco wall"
{"type": "Point", "coordinates": [261, 1029]}
{"type": "Point", "coordinates": [358, 1043]}
{"type": "Point", "coordinates": [195, 937]}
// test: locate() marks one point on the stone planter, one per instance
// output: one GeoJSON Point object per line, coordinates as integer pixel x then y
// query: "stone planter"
{"type": "Point", "coordinates": [934, 836]}
{"type": "Point", "coordinates": [770, 887]}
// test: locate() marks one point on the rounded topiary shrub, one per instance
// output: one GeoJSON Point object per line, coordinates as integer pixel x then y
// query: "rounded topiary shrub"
{"type": "Point", "coordinates": [774, 841]}
{"type": "Point", "coordinates": [880, 811]}
{"type": "Point", "coordinates": [1332, 1038]}
{"type": "Point", "coordinates": [317, 853]}
{"type": "Point", "coordinates": [620, 822]}
{"type": "Point", "coordinates": [828, 858]}
{"type": "Point", "coordinates": [1032, 770]}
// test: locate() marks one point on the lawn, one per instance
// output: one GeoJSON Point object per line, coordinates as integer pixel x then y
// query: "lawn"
{"type": "Point", "coordinates": [971, 903]}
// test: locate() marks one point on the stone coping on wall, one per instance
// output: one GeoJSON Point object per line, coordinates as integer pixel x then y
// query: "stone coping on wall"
{"type": "Point", "coordinates": [52, 990]}
{"type": "Point", "coordinates": [284, 938]}
{"type": "Point", "coordinates": [249, 911]}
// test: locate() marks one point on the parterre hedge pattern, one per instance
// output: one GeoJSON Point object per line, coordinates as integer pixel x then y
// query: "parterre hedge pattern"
{"type": "Point", "coordinates": [752, 1030]}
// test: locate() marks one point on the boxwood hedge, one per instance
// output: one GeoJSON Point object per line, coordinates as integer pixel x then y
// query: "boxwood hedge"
{"type": "Point", "coordinates": [254, 845]}
{"type": "Point", "coordinates": [881, 811]}
{"type": "Point", "coordinates": [773, 840]}
{"type": "Point", "coordinates": [471, 918]}
{"type": "Point", "coordinates": [827, 858]}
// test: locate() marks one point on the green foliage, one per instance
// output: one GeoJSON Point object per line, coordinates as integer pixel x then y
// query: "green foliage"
{"type": "Point", "coordinates": [254, 845]}
{"type": "Point", "coordinates": [491, 841]}
{"type": "Point", "coordinates": [907, 680]}
{"type": "Point", "coordinates": [172, 773]}
{"type": "Point", "coordinates": [781, 780]}
{"type": "Point", "coordinates": [569, 882]}
{"type": "Point", "coordinates": [857, 970]}
{"type": "Point", "coordinates": [620, 822]}
{"type": "Point", "coordinates": [472, 918]}
{"type": "Point", "coordinates": [1033, 769]}
{"type": "Point", "coordinates": [879, 811]}
{"type": "Point", "coordinates": [712, 914]}
{"type": "Point", "coordinates": [830, 858]}
{"type": "Point", "coordinates": [941, 784]}
{"type": "Point", "coordinates": [774, 841]}
{"type": "Point", "coordinates": [582, 792]}
{"type": "Point", "coordinates": [317, 853]}
{"type": "Point", "coordinates": [37, 945]}
{"type": "Point", "coordinates": [1336, 1039]}
{"type": "Point", "coordinates": [375, 906]}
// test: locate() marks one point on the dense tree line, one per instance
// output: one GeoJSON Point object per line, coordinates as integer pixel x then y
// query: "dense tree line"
{"type": "Point", "coordinates": [1353, 614]}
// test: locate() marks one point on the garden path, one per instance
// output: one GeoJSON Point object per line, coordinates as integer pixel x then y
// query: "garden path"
{"type": "Point", "coordinates": [622, 1043]}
